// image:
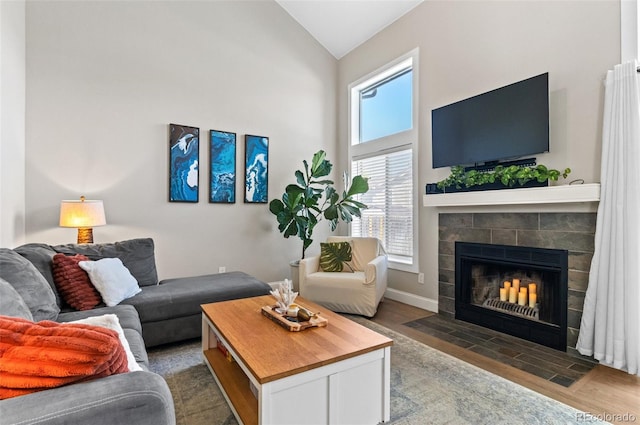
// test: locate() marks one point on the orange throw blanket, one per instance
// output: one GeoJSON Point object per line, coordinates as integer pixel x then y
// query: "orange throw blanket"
{"type": "Point", "coordinates": [42, 355]}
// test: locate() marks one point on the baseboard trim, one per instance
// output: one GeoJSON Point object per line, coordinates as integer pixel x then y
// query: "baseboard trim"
{"type": "Point", "coordinates": [412, 299]}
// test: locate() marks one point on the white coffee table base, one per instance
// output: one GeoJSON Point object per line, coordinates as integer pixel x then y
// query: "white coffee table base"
{"type": "Point", "coordinates": [352, 391]}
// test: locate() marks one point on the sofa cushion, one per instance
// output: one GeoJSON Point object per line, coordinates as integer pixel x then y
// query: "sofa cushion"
{"type": "Point", "coordinates": [137, 345]}
{"type": "Point", "coordinates": [42, 355]}
{"type": "Point", "coordinates": [183, 296]}
{"type": "Point", "coordinates": [136, 398]}
{"type": "Point", "coordinates": [30, 284]}
{"type": "Point", "coordinates": [136, 254]}
{"type": "Point", "coordinates": [342, 292]}
{"type": "Point", "coordinates": [112, 279]}
{"type": "Point", "coordinates": [41, 256]}
{"type": "Point", "coordinates": [127, 316]}
{"type": "Point", "coordinates": [73, 283]}
{"type": "Point", "coordinates": [11, 303]}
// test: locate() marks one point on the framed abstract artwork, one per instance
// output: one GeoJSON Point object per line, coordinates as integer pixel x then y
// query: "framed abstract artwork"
{"type": "Point", "coordinates": [256, 168]}
{"type": "Point", "coordinates": [183, 163]}
{"type": "Point", "coordinates": [222, 163]}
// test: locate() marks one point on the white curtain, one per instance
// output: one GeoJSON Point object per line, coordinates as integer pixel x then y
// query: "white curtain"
{"type": "Point", "coordinates": [610, 328]}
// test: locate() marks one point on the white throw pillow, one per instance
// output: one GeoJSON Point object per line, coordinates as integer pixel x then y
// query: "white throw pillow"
{"type": "Point", "coordinates": [112, 279]}
{"type": "Point", "coordinates": [110, 321]}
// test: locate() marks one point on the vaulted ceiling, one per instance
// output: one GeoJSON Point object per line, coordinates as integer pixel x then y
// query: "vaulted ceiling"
{"type": "Point", "coordinates": [342, 25]}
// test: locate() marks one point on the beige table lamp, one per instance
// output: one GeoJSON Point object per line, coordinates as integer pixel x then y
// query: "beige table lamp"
{"type": "Point", "coordinates": [82, 214]}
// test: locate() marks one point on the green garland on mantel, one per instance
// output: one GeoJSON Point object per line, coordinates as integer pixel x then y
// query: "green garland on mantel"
{"type": "Point", "coordinates": [508, 176]}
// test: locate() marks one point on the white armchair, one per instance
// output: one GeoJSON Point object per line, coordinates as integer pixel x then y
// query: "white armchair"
{"type": "Point", "coordinates": [359, 292]}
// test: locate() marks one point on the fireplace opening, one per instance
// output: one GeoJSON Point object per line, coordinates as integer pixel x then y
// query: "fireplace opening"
{"type": "Point", "coordinates": [520, 291]}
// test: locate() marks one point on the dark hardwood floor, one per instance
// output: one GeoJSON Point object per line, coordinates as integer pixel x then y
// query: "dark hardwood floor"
{"type": "Point", "coordinates": [557, 366]}
{"type": "Point", "coordinates": [612, 394]}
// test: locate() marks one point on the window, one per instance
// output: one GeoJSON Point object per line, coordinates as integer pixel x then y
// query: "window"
{"type": "Point", "coordinates": [383, 140]}
{"type": "Point", "coordinates": [385, 107]}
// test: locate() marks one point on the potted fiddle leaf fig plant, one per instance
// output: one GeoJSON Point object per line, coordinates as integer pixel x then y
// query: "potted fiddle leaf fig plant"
{"type": "Point", "coordinates": [312, 197]}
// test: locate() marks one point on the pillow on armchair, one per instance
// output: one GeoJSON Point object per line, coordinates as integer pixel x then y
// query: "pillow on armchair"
{"type": "Point", "coordinates": [335, 257]}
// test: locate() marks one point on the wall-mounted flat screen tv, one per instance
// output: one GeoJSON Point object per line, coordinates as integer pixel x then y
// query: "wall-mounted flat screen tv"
{"type": "Point", "coordinates": [506, 123]}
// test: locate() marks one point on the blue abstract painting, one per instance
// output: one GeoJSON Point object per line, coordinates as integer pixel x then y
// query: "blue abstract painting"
{"type": "Point", "coordinates": [183, 163]}
{"type": "Point", "coordinates": [222, 159]}
{"type": "Point", "coordinates": [256, 168]}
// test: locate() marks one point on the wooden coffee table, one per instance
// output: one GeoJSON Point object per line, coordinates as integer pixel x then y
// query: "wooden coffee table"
{"type": "Point", "coordinates": [338, 374]}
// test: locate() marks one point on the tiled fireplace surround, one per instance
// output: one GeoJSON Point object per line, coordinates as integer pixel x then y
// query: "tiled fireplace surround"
{"type": "Point", "coordinates": [571, 231]}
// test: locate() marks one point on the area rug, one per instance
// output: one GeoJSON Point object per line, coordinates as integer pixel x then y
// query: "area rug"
{"type": "Point", "coordinates": [427, 387]}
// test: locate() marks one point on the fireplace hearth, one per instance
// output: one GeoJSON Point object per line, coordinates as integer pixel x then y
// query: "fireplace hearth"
{"type": "Point", "coordinates": [521, 291]}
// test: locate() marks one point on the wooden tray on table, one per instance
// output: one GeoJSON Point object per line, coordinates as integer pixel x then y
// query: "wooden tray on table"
{"type": "Point", "coordinates": [291, 325]}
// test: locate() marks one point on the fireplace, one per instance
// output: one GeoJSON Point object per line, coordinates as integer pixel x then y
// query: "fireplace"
{"type": "Point", "coordinates": [521, 291]}
{"type": "Point", "coordinates": [572, 231]}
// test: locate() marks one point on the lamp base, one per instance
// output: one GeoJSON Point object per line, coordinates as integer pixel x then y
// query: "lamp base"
{"type": "Point", "coordinates": [85, 235]}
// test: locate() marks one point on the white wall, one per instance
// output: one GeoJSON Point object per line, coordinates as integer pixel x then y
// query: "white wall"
{"type": "Point", "coordinates": [630, 32]}
{"type": "Point", "coordinates": [12, 122]}
{"type": "Point", "coordinates": [469, 47]}
{"type": "Point", "coordinates": [104, 80]}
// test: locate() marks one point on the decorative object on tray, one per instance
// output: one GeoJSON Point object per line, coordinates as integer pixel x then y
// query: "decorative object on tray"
{"type": "Point", "coordinates": [284, 296]}
{"type": "Point", "coordinates": [304, 318]}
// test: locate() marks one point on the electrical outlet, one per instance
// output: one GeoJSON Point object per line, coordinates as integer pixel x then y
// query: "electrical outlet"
{"type": "Point", "coordinates": [420, 277]}
{"type": "Point", "coordinates": [222, 269]}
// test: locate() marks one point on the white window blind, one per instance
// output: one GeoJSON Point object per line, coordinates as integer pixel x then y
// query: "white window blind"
{"type": "Point", "coordinates": [390, 201]}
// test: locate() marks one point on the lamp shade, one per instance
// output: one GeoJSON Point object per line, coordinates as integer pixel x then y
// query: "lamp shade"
{"type": "Point", "coordinates": [82, 213]}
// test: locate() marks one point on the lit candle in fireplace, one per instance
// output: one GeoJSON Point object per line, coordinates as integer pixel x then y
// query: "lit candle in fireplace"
{"type": "Point", "coordinates": [507, 285]}
{"type": "Point", "coordinates": [532, 288]}
{"type": "Point", "coordinates": [522, 298]}
{"type": "Point", "coordinates": [532, 300]}
{"type": "Point", "coordinates": [523, 289]}
{"type": "Point", "coordinates": [512, 295]}
{"type": "Point", "coordinates": [503, 294]}
{"type": "Point", "coordinates": [516, 284]}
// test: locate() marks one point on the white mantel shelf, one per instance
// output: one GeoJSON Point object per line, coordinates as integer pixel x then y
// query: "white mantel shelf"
{"type": "Point", "coordinates": [536, 195]}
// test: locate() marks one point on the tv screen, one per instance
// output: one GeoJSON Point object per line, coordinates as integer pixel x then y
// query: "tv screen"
{"type": "Point", "coordinates": [505, 123]}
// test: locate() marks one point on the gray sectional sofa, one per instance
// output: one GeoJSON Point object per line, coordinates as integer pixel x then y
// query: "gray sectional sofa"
{"type": "Point", "coordinates": [163, 312]}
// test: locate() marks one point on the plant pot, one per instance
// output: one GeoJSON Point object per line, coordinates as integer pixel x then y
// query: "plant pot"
{"type": "Point", "coordinates": [295, 275]}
